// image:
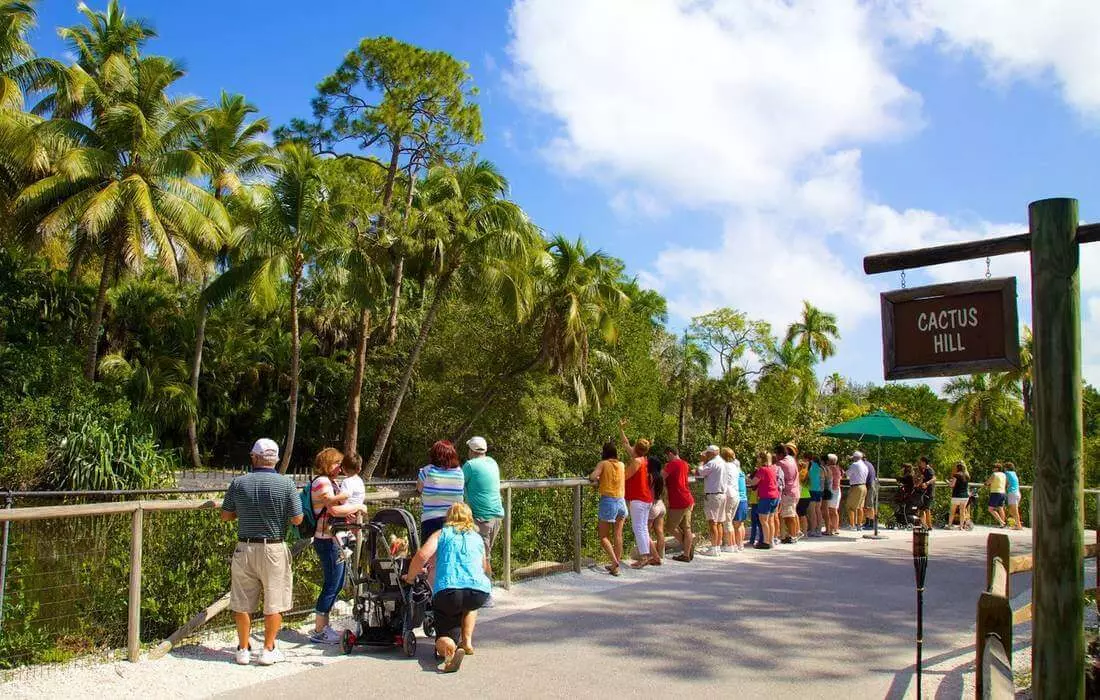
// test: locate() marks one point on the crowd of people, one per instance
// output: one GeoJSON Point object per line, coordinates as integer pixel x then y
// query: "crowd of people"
{"type": "Point", "coordinates": [784, 497]}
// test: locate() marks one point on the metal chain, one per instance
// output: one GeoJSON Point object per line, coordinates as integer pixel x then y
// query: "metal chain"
{"type": "Point", "coordinates": [987, 274]}
{"type": "Point", "coordinates": [903, 279]}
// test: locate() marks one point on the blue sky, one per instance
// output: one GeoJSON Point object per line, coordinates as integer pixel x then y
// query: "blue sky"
{"type": "Point", "coordinates": [733, 152]}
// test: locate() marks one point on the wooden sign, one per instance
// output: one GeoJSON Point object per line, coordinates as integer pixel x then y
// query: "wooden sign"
{"type": "Point", "coordinates": [948, 329]}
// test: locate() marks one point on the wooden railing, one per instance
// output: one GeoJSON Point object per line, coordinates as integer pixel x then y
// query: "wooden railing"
{"type": "Point", "coordinates": [138, 508]}
{"type": "Point", "coordinates": [996, 618]}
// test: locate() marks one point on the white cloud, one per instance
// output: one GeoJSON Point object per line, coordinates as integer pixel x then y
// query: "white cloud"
{"type": "Point", "coordinates": [757, 109]}
{"type": "Point", "coordinates": [1032, 40]}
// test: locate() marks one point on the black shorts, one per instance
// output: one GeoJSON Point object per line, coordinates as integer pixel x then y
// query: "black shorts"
{"type": "Point", "coordinates": [924, 500]}
{"type": "Point", "coordinates": [449, 607]}
{"type": "Point", "coordinates": [802, 507]}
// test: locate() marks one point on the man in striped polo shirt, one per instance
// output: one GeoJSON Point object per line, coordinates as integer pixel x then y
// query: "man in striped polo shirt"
{"type": "Point", "coordinates": [262, 503]}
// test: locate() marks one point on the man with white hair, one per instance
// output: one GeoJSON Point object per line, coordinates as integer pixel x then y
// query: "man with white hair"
{"type": "Point", "coordinates": [262, 502]}
{"type": "Point", "coordinates": [482, 492]}
{"type": "Point", "coordinates": [857, 491]}
{"type": "Point", "coordinates": [713, 472]}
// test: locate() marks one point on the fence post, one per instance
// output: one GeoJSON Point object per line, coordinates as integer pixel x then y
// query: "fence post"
{"type": "Point", "coordinates": [994, 620]}
{"type": "Point", "coordinates": [133, 628]}
{"type": "Point", "coordinates": [4, 561]}
{"type": "Point", "coordinates": [997, 546]}
{"type": "Point", "coordinates": [577, 528]}
{"type": "Point", "coordinates": [507, 537]}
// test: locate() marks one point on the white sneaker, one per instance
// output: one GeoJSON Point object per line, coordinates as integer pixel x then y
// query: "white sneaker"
{"type": "Point", "coordinates": [270, 657]}
{"type": "Point", "coordinates": [244, 656]}
{"type": "Point", "coordinates": [740, 548]}
{"type": "Point", "coordinates": [728, 548]}
{"type": "Point", "coordinates": [708, 551]}
{"type": "Point", "coordinates": [331, 636]}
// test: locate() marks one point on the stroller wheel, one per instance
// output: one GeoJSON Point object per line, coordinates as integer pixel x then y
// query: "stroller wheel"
{"type": "Point", "coordinates": [347, 641]}
{"type": "Point", "coordinates": [409, 644]}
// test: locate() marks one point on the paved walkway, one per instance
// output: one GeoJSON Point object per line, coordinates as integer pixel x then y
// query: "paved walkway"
{"type": "Point", "coordinates": [830, 617]}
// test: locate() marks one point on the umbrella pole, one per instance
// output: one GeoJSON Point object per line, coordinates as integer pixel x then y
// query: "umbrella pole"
{"type": "Point", "coordinates": [874, 498]}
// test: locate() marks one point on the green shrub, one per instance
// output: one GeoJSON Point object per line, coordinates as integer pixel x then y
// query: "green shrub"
{"type": "Point", "coordinates": [110, 449]}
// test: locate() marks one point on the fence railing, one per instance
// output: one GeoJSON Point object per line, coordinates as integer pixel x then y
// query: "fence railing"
{"type": "Point", "coordinates": [996, 618]}
{"type": "Point", "coordinates": [137, 510]}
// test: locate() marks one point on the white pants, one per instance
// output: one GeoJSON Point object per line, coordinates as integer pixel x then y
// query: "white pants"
{"type": "Point", "coordinates": [639, 523]}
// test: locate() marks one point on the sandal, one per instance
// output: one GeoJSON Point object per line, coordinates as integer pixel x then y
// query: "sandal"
{"type": "Point", "coordinates": [453, 663]}
{"type": "Point", "coordinates": [613, 570]}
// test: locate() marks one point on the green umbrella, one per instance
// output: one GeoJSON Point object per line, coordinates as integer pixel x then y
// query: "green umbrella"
{"type": "Point", "coordinates": [880, 427]}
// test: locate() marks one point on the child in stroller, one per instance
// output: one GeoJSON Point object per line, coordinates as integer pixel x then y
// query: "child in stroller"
{"type": "Point", "coordinates": [385, 609]}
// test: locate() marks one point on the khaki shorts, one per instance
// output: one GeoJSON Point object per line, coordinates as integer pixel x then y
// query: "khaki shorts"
{"type": "Point", "coordinates": [857, 496]}
{"type": "Point", "coordinates": [715, 507]}
{"type": "Point", "coordinates": [259, 567]}
{"type": "Point", "coordinates": [489, 529]}
{"type": "Point", "coordinates": [678, 516]}
{"type": "Point", "coordinates": [788, 507]}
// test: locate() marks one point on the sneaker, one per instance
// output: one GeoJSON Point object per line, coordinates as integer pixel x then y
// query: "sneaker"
{"type": "Point", "coordinates": [708, 551]}
{"type": "Point", "coordinates": [787, 540]}
{"type": "Point", "coordinates": [244, 656]}
{"type": "Point", "coordinates": [325, 636]}
{"type": "Point", "coordinates": [728, 548]}
{"type": "Point", "coordinates": [740, 548]}
{"type": "Point", "coordinates": [775, 541]}
{"type": "Point", "coordinates": [269, 657]}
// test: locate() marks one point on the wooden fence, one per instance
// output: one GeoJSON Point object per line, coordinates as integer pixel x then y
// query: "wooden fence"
{"type": "Point", "coordinates": [996, 618]}
{"type": "Point", "coordinates": [137, 510]}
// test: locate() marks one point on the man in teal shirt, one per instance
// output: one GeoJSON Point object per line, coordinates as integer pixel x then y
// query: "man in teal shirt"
{"type": "Point", "coordinates": [482, 491]}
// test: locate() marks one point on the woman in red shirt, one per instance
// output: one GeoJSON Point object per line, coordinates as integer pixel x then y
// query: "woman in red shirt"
{"type": "Point", "coordinates": [639, 498]}
{"type": "Point", "coordinates": [767, 488]}
{"type": "Point", "coordinates": [680, 503]}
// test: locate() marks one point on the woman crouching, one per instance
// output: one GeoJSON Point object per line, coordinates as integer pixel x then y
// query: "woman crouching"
{"type": "Point", "coordinates": [459, 568]}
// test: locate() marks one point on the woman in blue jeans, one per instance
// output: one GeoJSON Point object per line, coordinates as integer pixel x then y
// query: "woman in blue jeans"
{"type": "Point", "coordinates": [328, 505]}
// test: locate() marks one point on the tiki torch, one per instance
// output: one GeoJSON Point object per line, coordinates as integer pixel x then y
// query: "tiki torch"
{"type": "Point", "coordinates": [920, 567]}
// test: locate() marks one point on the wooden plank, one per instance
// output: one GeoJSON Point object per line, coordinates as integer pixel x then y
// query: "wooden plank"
{"type": "Point", "coordinates": [133, 610]}
{"type": "Point", "coordinates": [997, 546]}
{"type": "Point", "coordinates": [190, 627]}
{"type": "Point", "coordinates": [994, 624]}
{"type": "Point", "coordinates": [1021, 615]}
{"type": "Point", "coordinates": [83, 509]}
{"type": "Point", "coordinates": [1058, 658]}
{"type": "Point", "coordinates": [578, 529]}
{"type": "Point", "coordinates": [507, 583]}
{"type": "Point", "coordinates": [997, 671]}
{"type": "Point", "coordinates": [998, 584]}
{"type": "Point", "coordinates": [1019, 563]}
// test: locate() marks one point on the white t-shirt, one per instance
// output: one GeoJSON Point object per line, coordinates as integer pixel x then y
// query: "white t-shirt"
{"type": "Point", "coordinates": [356, 490]}
{"type": "Point", "coordinates": [731, 475]}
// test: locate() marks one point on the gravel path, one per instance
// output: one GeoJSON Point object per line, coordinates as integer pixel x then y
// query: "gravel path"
{"type": "Point", "coordinates": [837, 613]}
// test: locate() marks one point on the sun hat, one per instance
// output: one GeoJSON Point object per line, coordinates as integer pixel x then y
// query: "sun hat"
{"type": "Point", "coordinates": [266, 448]}
{"type": "Point", "coordinates": [477, 444]}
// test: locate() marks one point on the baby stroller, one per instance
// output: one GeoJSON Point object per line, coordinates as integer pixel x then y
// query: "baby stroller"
{"type": "Point", "coordinates": [386, 610]}
{"type": "Point", "coordinates": [906, 499]}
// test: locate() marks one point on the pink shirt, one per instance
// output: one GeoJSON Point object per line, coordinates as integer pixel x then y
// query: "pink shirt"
{"type": "Point", "coordinates": [790, 476]}
{"type": "Point", "coordinates": [322, 487]}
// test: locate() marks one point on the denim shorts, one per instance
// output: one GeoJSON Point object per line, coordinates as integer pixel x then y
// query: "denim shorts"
{"type": "Point", "coordinates": [742, 512]}
{"type": "Point", "coordinates": [611, 509]}
{"type": "Point", "coordinates": [766, 506]}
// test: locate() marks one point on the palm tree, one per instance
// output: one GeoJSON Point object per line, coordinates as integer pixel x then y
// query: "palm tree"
{"type": "Point", "coordinates": [475, 239]}
{"type": "Point", "coordinates": [20, 69]}
{"type": "Point", "coordinates": [835, 383]}
{"type": "Point", "coordinates": [231, 150]}
{"type": "Point", "coordinates": [1020, 380]}
{"type": "Point", "coordinates": [816, 330]}
{"type": "Point", "coordinates": [689, 368]}
{"type": "Point", "coordinates": [577, 294]}
{"type": "Point", "coordinates": [126, 180]}
{"type": "Point", "coordinates": [976, 397]}
{"type": "Point", "coordinates": [289, 225]}
{"type": "Point", "coordinates": [792, 364]}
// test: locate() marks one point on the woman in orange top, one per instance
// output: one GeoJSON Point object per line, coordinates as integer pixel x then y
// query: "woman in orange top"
{"type": "Point", "coordinates": [639, 498]}
{"type": "Point", "coordinates": [609, 475]}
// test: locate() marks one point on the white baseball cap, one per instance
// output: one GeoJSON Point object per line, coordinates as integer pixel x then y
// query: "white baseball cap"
{"type": "Point", "coordinates": [266, 448]}
{"type": "Point", "coordinates": [712, 448]}
{"type": "Point", "coordinates": [477, 444]}
{"type": "Point", "coordinates": [857, 455]}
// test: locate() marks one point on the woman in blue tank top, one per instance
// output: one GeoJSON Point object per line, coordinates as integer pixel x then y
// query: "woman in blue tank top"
{"type": "Point", "coordinates": [461, 584]}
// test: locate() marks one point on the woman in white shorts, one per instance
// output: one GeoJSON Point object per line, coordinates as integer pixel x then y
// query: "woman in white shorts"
{"type": "Point", "coordinates": [833, 502]}
{"type": "Point", "coordinates": [658, 511]}
{"type": "Point", "coordinates": [960, 483]}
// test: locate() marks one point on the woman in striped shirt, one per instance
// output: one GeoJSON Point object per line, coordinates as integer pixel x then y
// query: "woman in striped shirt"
{"type": "Point", "coordinates": [440, 484]}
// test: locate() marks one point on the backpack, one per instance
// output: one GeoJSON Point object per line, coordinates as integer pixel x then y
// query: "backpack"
{"type": "Point", "coordinates": [308, 526]}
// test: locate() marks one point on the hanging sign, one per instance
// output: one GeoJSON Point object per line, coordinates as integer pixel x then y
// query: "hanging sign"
{"type": "Point", "coordinates": [948, 329]}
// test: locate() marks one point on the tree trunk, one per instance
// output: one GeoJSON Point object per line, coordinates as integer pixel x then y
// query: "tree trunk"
{"type": "Point", "coordinates": [726, 424]}
{"type": "Point", "coordinates": [399, 270]}
{"type": "Point", "coordinates": [680, 426]}
{"type": "Point", "coordinates": [196, 368]}
{"type": "Point", "coordinates": [95, 323]}
{"type": "Point", "coordinates": [1026, 394]}
{"type": "Point", "coordinates": [406, 376]}
{"type": "Point", "coordinates": [355, 393]}
{"type": "Point", "coordinates": [295, 356]}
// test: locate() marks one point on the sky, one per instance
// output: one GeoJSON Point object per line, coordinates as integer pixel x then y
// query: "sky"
{"type": "Point", "coordinates": [740, 153]}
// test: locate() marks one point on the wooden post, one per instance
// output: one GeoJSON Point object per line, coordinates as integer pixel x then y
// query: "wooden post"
{"type": "Point", "coordinates": [507, 583]}
{"type": "Point", "coordinates": [577, 530]}
{"type": "Point", "coordinates": [997, 546]}
{"type": "Point", "coordinates": [133, 626]}
{"type": "Point", "coordinates": [994, 623]}
{"type": "Point", "coordinates": [1058, 657]}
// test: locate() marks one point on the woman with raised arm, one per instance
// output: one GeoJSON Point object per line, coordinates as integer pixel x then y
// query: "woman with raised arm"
{"type": "Point", "coordinates": [612, 510]}
{"type": "Point", "coordinates": [639, 497]}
